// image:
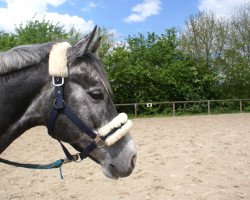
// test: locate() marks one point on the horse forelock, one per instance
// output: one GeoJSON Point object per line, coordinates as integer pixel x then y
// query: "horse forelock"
{"type": "Point", "coordinates": [23, 56]}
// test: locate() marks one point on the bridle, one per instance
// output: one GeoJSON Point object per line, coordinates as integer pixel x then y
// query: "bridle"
{"type": "Point", "coordinates": [61, 107]}
{"type": "Point", "coordinates": [107, 136]}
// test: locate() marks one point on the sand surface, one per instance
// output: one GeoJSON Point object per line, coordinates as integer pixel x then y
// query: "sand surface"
{"type": "Point", "coordinates": [194, 157]}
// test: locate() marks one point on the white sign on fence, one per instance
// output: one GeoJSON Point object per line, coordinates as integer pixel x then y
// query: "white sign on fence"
{"type": "Point", "coordinates": [149, 105]}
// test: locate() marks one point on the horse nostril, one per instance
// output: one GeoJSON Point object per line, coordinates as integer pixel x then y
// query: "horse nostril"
{"type": "Point", "coordinates": [133, 161]}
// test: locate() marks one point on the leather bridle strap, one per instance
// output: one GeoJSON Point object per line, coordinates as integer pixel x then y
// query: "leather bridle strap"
{"type": "Point", "coordinates": [61, 108]}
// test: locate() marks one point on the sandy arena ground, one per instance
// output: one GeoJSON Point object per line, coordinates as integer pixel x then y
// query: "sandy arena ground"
{"type": "Point", "coordinates": [194, 157]}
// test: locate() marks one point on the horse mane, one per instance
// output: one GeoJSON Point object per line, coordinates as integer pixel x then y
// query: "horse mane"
{"type": "Point", "coordinates": [23, 56]}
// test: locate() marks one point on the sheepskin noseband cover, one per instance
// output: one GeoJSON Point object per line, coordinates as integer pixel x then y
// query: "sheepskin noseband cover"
{"type": "Point", "coordinates": [58, 60]}
{"type": "Point", "coordinates": [119, 127]}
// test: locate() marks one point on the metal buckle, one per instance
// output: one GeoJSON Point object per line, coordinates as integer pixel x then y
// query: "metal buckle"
{"type": "Point", "coordinates": [99, 142]}
{"type": "Point", "coordinates": [56, 81]}
{"type": "Point", "coordinates": [77, 158]}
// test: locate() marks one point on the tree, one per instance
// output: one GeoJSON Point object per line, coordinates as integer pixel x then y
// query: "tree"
{"type": "Point", "coordinates": [222, 52]}
{"type": "Point", "coordinates": [204, 38]}
{"type": "Point", "coordinates": [36, 31]}
{"type": "Point", "coordinates": [152, 68]}
{"type": "Point", "coordinates": [236, 60]}
{"type": "Point", "coordinates": [7, 41]}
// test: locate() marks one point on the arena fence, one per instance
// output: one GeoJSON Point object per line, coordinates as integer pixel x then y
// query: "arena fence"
{"type": "Point", "coordinates": [185, 107]}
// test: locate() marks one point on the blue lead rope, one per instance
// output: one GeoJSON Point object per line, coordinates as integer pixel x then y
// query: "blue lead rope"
{"type": "Point", "coordinates": [60, 170]}
{"type": "Point", "coordinates": [56, 164]}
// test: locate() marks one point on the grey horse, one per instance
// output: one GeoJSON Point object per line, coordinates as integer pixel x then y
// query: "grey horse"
{"type": "Point", "coordinates": [27, 97]}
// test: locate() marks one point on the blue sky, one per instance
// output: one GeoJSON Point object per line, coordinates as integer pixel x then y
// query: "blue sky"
{"type": "Point", "coordinates": [123, 18]}
{"type": "Point", "coordinates": [112, 14]}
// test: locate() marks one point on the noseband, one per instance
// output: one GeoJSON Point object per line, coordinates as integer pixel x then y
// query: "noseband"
{"type": "Point", "coordinates": [105, 136]}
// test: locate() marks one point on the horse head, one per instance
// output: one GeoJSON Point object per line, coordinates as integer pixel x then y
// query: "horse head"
{"type": "Point", "coordinates": [87, 92]}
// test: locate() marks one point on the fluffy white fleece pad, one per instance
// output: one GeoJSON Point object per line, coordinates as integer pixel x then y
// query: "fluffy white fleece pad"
{"type": "Point", "coordinates": [122, 123]}
{"type": "Point", "coordinates": [58, 60]}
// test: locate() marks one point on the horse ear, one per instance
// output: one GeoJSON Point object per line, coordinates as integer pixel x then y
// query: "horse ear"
{"type": "Point", "coordinates": [96, 45]}
{"type": "Point", "coordinates": [90, 43]}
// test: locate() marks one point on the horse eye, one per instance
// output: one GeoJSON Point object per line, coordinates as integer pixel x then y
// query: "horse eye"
{"type": "Point", "coordinates": [96, 94]}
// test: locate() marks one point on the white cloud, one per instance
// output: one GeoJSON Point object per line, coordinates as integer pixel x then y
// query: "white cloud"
{"type": "Point", "coordinates": [222, 8]}
{"type": "Point", "coordinates": [143, 10]}
{"type": "Point", "coordinates": [56, 2]}
{"type": "Point", "coordinates": [93, 4]}
{"type": "Point", "coordinates": [89, 6]}
{"type": "Point", "coordinates": [69, 21]}
{"type": "Point", "coordinates": [18, 12]}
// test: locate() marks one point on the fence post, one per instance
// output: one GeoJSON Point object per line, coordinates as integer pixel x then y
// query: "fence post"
{"type": "Point", "coordinates": [240, 105]}
{"type": "Point", "coordinates": [135, 109]}
{"type": "Point", "coordinates": [173, 109]}
{"type": "Point", "coordinates": [208, 107]}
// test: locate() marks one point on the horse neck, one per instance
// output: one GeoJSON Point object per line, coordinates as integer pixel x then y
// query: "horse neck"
{"type": "Point", "coordinates": [20, 102]}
